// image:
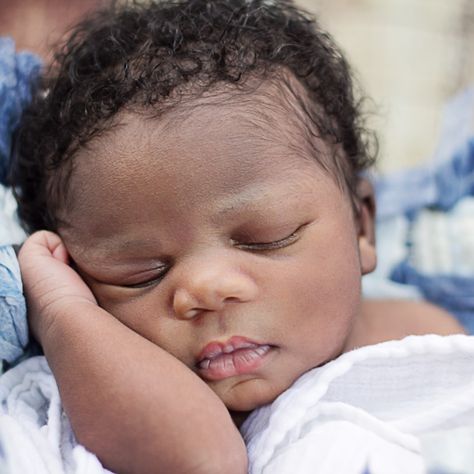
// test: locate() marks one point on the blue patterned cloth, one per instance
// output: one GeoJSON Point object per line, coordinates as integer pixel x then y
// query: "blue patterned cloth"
{"type": "Point", "coordinates": [17, 71]}
{"type": "Point", "coordinates": [13, 325]}
{"type": "Point", "coordinates": [439, 184]}
{"type": "Point", "coordinates": [446, 177]}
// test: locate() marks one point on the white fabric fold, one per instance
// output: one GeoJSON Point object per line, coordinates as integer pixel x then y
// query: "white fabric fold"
{"type": "Point", "coordinates": [367, 410]}
{"type": "Point", "coordinates": [35, 434]}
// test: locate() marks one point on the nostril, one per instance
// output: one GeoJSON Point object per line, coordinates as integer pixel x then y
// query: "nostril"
{"type": "Point", "coordinates": [192, 313]}
{"type": "Point", "coordinates": [231, 299]}
{"type": "Point", "coordinates": [184, 305]}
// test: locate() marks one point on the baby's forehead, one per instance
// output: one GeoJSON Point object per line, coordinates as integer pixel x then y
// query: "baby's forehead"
{"type": "Point", "coordinates": [267, 113]}
{"type": "Point", "coordinates": [230, 135]}
{"type": "Point", "coordinates": [209, 146]}
{"type": "Point", "coordinates": [218, 133]}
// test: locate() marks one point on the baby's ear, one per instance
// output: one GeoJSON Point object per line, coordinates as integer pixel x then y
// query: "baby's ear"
{"type": "Point", "coordinates": [366, 225]}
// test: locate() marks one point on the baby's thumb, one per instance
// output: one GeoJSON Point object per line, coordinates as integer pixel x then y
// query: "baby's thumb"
{"type": "Point", "coordinates": [44, 244]}
{"type": "Point", "coordinates": [60, 253]}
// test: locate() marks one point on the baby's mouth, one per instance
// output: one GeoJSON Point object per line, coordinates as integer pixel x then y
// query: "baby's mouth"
{"type": "Point", "coordinates": [238, 355]}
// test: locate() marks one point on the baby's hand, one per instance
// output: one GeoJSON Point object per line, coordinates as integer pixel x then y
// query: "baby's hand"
{"type": "Point", "coordinates": [51, 286]}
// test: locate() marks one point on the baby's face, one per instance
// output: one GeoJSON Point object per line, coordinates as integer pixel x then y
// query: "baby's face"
{"type": "Point", "coordinates": [220, 243]}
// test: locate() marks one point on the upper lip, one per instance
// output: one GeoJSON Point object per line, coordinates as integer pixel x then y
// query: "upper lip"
{"type": "Point", "coordinates": [215, 348]}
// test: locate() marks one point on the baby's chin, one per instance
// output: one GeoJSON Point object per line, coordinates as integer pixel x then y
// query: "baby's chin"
{"type": "Point", "coordinates": [246, 396]}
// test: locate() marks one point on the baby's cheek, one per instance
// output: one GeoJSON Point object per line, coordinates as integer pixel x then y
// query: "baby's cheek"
{"type": "Point", "coordinates": [132, 312]}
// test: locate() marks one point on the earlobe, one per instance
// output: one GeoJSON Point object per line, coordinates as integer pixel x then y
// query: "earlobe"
{"type": "Point", "coordinates": [368, 255]}
{"type": "Point", "coordinates": [366, 226]}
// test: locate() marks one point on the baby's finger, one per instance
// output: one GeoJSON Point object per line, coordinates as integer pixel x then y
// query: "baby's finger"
{"type": "Point", "coordinates": [44, 244]}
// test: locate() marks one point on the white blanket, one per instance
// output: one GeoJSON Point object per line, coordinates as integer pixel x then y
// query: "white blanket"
{"type": "Point", "coordinates": [372, 408]}
{"type": "Point", "coordinates": [35, 435]}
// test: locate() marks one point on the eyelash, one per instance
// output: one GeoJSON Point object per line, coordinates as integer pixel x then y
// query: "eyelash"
{"type": "Point", "coordinates": [150, 282]}
{"type": "Point", "coordinates": [274, 245]}
{"type": "Point", "coordinates": [254, 246]}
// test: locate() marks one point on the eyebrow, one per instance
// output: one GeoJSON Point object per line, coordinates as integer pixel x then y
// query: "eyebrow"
{"type": "Point", "coordinates": [236, 203]}
{"type": "Point", "coordinates": [129, 244]}
{"type": "Point", "coordinates": [257, 196]}
{"type": "Point", "coordinates": [251, 199]}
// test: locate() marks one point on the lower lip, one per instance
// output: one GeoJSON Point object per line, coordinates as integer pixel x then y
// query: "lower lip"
{"type": "Point", "coordinates": [238, 362]}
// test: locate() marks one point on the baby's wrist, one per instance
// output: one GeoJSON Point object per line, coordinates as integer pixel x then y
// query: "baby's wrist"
{"type": "Point", "coordinates": [57, 319]}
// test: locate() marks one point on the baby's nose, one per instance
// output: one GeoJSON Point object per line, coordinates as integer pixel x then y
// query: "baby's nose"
{"type": "Point", "coordinates": [210, 288]}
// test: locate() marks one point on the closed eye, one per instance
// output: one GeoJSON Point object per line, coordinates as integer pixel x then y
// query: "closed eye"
{"type": "Point", "coordinates": [271, 245]}
{"type": "Point", "coordinates": [152, 280]}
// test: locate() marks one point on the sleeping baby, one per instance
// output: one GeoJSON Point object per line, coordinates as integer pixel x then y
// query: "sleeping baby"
{"type": "Point", "coordinates": [192, 177]}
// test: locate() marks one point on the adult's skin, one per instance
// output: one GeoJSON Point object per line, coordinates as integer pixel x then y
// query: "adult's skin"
{"type": "Point", "coordinates": [36, 25]}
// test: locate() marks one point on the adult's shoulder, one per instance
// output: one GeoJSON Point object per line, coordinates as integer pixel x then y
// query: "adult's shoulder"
{"type": "Point", "coordinates": [387, 319]}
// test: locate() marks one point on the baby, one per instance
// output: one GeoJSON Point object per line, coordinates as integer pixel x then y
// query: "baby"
{"type": "Point", "coordinates": [198, 169]}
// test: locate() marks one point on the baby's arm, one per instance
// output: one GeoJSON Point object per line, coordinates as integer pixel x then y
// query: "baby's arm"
{"type": "Point", "coordinates": [134, 405]}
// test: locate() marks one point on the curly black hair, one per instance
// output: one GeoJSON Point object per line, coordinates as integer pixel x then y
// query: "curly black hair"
{"type": "Point", "coordinates": [138, 55]}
